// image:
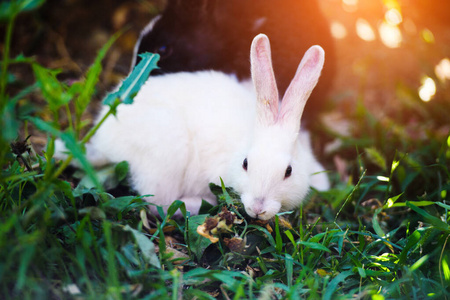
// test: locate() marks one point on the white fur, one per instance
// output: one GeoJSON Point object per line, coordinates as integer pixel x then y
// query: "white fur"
{"type": "Point", "coordinates": [144, 32]}
{"type": "Point", "coordinates": [185, 130]}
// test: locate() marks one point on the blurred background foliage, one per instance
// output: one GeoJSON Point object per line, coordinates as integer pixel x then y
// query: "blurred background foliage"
{"type": "Point", "coordinates": [392, 55]}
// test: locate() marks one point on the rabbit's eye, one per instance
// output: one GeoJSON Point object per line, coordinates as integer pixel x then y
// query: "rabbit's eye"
{"type": "Point", "coordinates": [245, 164]}
{"type": "Point", "coordinates": [288, 172]}
{"type": "Point", "coordinates": [164, 51]}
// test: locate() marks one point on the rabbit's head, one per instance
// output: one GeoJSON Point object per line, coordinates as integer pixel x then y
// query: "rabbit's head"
{"type": "Point", "coordinates": [275, 172]}
{"type": "Point", "coordinates": [186, 36]}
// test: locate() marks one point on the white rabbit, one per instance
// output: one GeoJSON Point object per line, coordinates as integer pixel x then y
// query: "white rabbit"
{"type": "Point", "coordinates": [185, 130]}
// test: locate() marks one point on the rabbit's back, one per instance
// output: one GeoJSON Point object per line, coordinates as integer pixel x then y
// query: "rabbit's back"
{"type": "Point", "coordinates": [208, 103]}
{"type": "Point", "coordinates": [180, 131]}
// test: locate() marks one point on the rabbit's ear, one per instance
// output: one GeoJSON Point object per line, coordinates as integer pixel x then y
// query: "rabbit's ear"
{"type": "Point", "coordinates": [301, 86]}
{"type": "Point", "coordinates": [264, 80]}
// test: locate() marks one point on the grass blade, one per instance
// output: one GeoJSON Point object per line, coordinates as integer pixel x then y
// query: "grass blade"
{"type": "Point", "coordinates": [132, 84]}
{"type": "Point", "coordinates": [146, 247]}
{"type": "Point", "coordinates": [92, 77]}
{"type": "Point", "coordinates": [314, 245]}
{"type": "Point", "coordinates": [436, 222]}
{"type": "Point", "coordinates": [333, 285]}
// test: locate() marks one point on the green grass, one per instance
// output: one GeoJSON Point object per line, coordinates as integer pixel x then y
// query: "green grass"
{"type": "Point", "coordinates": [383, 234]}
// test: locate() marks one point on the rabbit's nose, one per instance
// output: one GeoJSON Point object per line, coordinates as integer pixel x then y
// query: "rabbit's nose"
{"type": "Point", "coordinates": [258, 207]}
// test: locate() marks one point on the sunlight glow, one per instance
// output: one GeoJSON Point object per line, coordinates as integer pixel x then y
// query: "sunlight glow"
{"type": "Point", "coordinates": [350, 2]}
{"type": "Point", "coordinates": [393, 16]}
{"type": "Point", "coordinates": [389, 203]}
{"type": "Point", "coordinates": [383, 178]}
{"type": "Point", "coordinates": [428, 89]}
{"type": "Point", "coordinates": [410, 27]}
{"type": "Point", "coordinates": [391, 35]}
{"type": "Point", "coordinates": [420, 262]}
{"type": "Point", "coordinates": [395, 164]}
{"type": "Point", "coordinates": [428, 36]}
{"type": "Point", "coordinates": [391, 3]}
{"type": "Point", "coordinates": [364, 30]}
{"type": "Point", "coordinates": [442, 70]}
{"type": "Point", "coordinates": [445, 268]}
{"type": "Point", "coordinates": [350, 5]}
{"type": "Point", "coordinates": [338, 30]}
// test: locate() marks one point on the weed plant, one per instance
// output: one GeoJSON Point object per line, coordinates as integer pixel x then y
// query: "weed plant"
{"type": "Point", "coordinates": [382, 234]}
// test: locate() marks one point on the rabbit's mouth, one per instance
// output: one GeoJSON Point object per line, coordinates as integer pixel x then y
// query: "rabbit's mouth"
{"type": "Point", "coordinates": [261, 207]}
